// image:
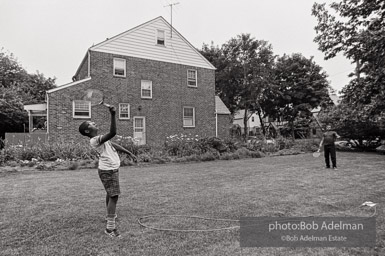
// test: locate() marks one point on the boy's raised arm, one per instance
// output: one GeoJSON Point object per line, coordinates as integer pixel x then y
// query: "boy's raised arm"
{"type": "Point", "coordinates": [112, 132]}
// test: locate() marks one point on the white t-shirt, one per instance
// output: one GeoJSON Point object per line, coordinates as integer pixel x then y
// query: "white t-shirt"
{"type": "Point", "coordinates": [108, 157]}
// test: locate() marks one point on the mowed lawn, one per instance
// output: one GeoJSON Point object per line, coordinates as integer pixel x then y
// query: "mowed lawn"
{"type": "Point", "coordinates": [62, 212]}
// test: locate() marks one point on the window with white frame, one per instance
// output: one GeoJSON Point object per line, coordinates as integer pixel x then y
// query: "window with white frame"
{"type": "Point", "coordinates": [146, 89]}
{"type": "Point", "coordinates": [124, 111]}
{"type": "Point", "coordinates": [160, 37]}
{"type": "Point", "coordinates": [81, 109]}
{"type": "Point", "coordinates": [188, 117]}
{"type": "Point", "coordinates": [192, 78]}
{"type": "Point", "coordinates": [119, 67]}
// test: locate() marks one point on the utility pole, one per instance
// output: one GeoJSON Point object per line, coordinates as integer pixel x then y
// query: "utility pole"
{"type": "Point", "coordinates": [171, 5]}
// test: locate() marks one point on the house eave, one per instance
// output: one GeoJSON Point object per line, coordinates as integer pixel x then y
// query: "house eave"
{"type": "Point", "coordinates": [69, 85]}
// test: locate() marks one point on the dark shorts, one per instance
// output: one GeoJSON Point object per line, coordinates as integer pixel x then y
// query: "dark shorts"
{"type": "Point", "coordinates": [110, 180]}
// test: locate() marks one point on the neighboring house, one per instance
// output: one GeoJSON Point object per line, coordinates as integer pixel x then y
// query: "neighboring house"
{"type": "Point", "coordinates": [223, 118]}
{"type": "Point", "coordinates": [253, 123]}
{"type": "Point", "coordinates": [160, 84]}
{"type": "Point", "coordinates": [315, 126]}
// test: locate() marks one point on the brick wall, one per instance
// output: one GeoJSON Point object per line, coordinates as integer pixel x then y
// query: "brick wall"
{"type": "Point", "coordinates": [83, 69]}
{"type": "Point", "coordinates": [163, 113]}
{"type": "Point", "coordinates": [224, 124]}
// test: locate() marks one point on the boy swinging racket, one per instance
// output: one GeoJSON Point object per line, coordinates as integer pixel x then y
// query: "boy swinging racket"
{"type": "Point", "coordinates": [108, 168]}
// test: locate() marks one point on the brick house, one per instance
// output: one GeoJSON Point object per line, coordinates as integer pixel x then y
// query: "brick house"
{"type": "Point", "coordinates": [160, 84]}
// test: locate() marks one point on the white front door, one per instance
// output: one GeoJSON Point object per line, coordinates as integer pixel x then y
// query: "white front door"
{"type": "Point", "coordinates": [140, 129]}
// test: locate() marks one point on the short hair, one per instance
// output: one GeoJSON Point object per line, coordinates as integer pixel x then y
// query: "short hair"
{"type": "Point", "coordinates": [83, 127]}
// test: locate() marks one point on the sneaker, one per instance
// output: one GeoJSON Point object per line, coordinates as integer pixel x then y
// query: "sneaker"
{"type": "Point", "coordinates": [112, 233]}
{"type": "Point", "coordinates": [335, 168]}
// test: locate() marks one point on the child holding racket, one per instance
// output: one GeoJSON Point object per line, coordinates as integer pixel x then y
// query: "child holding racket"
{"type": "Point", "coordinates": [109, 163]}
{"type": "Point", "coordinates": [328, 140]}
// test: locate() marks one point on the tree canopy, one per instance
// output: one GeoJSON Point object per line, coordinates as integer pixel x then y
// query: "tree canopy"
{"type": "Point", "coordinates": [18, 88]}
{"type": "Point", "coordinates": [356, 28]}
{"type": "Point", "coordinates": [252, 61]}
{"type": "Point", "coordinates": [244, 72]}
{"type": "Point", "coordinates": [302, 86]}
{"type": "Point", "coordinates": [250, 77]}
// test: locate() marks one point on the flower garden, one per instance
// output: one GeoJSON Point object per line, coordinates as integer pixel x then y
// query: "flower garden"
{"type": "Point", "coordinates": [176, 148]}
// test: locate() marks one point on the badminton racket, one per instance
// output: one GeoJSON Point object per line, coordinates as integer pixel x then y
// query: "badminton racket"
{"type": "Point", "coordinates": [316, 154]}
{"type": "Point", "coordinates": [96, 97]}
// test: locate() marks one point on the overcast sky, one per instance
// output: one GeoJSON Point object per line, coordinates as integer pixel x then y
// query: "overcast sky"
{"type": "Point", "coordinates": [52, 36]}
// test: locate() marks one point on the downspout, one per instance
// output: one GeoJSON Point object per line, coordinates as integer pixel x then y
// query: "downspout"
{"type": "Point", "coordinates": [216, 124]}
{"type": "Point", "coordinates": [89, 64]}
{"type": "Point", "coordinates": [47, 100]}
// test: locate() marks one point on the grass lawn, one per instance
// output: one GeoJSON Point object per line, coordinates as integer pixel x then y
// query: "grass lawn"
{"type": "Point", "coordinates": [62, 212]}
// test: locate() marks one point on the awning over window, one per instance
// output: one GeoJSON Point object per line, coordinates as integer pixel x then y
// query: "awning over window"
{"type": "Point", "coordinates": [36, 109]}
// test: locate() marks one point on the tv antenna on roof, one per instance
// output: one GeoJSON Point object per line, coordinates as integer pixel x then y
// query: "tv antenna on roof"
{"type": "Point", "coordinates": [171, 5]}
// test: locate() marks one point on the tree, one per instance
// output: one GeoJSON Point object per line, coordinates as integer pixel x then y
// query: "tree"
{"type": "Point", "coordinates": [243, 79]}
{"type": "Point", "coordinates": [357, 30]}
{"type": "Point", "coordinates": [352, 125]}
{"type": "Point", "coordinates": [34, 88]}
{"type": "Point", "coordinates": [18, 88]}
{"type": "Point", "coordinates": [302, 86]}
{"type": "Point", "coordinates": [12, 113]}
{"type": "Point", "coordinates": [11, 72]}
{"type": "Point", "coordinates": [250, 62]}
{"type": "Point", "coordinates": [225, 77]}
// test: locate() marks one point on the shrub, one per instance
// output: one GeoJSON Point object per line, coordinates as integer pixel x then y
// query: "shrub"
{"type": "Point", "coordinates": [144, 158]}
{"type": "Point", "coordinates": [256, 154]}
{"type": "Point", "coordinates": [243, 152]}
{"type": "Point", "coordinates": [226, 156]}
{"type": "Point", "coordinates": [231, 144]}
{"type": "Point", "coordinates": [190, 158]}
{"type": "Point", "coordinates": [235, 156]}
{"type": "Point", "coordinates": [8, 154]}
{"type": "Point", "coordinates": [160, 160]}
{"type": "Point", "coordinates": [131, 144]}
{"type": "Point", "coordinates": [193, 158]}
{"type": "Point", "coordinates": [42, 167]}
{"type": "Point", "coordinates": [126, 162]}
{"type": "Point", "coordinates": [187, 145]}
{"type": "Point", "coordinates": [183, 145]}
{"type": "Point", "coordinates": [269, 148]}
{"type": "Point", "coordinates": [255, 144]}
{"type": "Point", "coordinates": [286, 151]}
{"type": "Point", "coordinates": [73, 165]}
{"type": "Point", "coordinates": [208, 156]}
{"type": "Point", "coordinates": [229, 156]}
{"type": "Point", "coordinates": [282, 142]}
{"type": "Point", "coordinates": [306, 145]}
{"type": "Point", "coordinates": [12, 163]}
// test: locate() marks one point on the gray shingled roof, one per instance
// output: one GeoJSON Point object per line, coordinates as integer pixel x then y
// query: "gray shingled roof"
{"type": "Point", "coordinates": [220, 107]}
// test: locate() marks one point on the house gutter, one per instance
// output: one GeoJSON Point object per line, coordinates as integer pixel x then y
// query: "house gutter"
{"type": "Point", "coordinates": [47, 100]}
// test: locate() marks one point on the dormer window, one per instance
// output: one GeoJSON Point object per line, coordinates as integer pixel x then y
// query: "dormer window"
{"type": "Point", "coordinates": [160, 38]}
